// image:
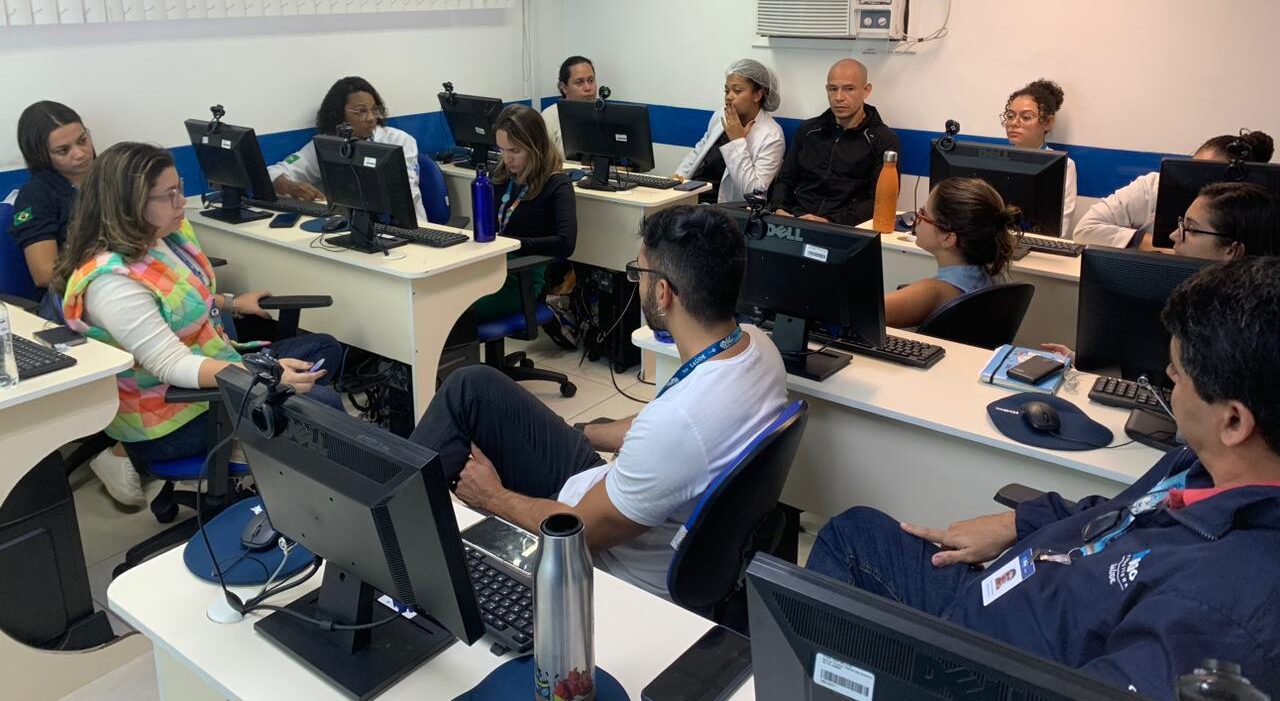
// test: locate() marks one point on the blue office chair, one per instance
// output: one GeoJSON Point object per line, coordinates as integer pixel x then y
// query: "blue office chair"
{"type": "Point", "coordinates": [435, 195]}
{"type": "Point", "coordinates": [737, 516]}
{"type": "Point", "coordinates": [16, 286]}
{"type": "Point", "coordinates": [987, 318]}
{"type": "Point", "coordinates": [523, 325]}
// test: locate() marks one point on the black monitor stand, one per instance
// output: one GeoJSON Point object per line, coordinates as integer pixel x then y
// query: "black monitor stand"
{"type": "Point", "coordinates": [363, 663]}
{"type": "Point", "coordinates": [233, 209]}
{"type": "Point", "coordinates": [362, 238]}
{"type": "Point", "coordinates": [791, 336]}
{"type": "Point", "coordinates": [479, 157]}
{"type": "Point", "coordinates": [598, 177]}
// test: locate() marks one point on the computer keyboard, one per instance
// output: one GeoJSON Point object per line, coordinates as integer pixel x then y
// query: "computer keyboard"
{"type": "Point", "coordinates": [287, 204]}
{"type": "Point", "coordinates": [427, 237]}
{"type": "Point", "coordinates": [506, 603]}
{"type": "Point", "coordinates": [1126, 394]}
{"type": "Point", "coordinates": [1057, 247]}
{"type": "Point", "coordinates": [650, 181]}
{"type": "Point", "coordinates": [896, 349]}
{"type": "Point", "coordinates": [35, 360]}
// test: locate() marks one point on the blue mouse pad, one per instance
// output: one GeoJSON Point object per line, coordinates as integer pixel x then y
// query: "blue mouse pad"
{"type": "Point", "coordinates": [240, 567]}
{"type": "Point", "coordinates": [1078, 431]}
{"type": "Point", "coordinates": [514, 680]}
{"type": "Point", "coordinates": [316, 226]}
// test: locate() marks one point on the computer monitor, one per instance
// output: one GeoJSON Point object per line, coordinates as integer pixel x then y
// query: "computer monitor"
{"type": "Point", "coordinates": [231, 160]}
{"type": "Point", "coordinates": [372, 181]}
{"type": "Point", "coordinates": [808, 273]}
{"type": "Point", "coordinates": [1118, 327]}
{"type": "Point", "coordinates": [376, 507]}
{"type": "Point", "coordinates": [815, 638]}
{"type": "Point", "coordinates": [472, 119]}
{"type": "Point", "coordinates": [607, 132]}
{"type": "Point", "coordinates": [1032, 180]}
{"type": "Point", "coordinates": [1181, 179]}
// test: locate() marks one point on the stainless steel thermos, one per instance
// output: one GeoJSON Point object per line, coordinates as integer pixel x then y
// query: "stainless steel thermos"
{"type": "Point", "coordinates": [563, 613]}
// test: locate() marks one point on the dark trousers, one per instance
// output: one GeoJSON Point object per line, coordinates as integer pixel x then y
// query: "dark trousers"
{"type": "Point", "coordinates": [532, 448]}
{"type": "Point", "coordinates": [868, 549]}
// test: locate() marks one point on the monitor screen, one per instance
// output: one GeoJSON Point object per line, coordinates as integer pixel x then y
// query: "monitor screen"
{"type": "Point", "coordinates": [617, 131]}
{"type": "Point", "coordinates": [1031, 180]}
{"type": "Point", "coordinates": [1181, 180]}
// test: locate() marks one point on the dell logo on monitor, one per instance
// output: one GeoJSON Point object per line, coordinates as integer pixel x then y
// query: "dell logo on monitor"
{"type": "Point", "coordinates": [790, 233]}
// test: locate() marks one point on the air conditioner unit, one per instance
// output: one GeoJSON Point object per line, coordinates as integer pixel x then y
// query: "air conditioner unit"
{"type": "Point", "coordinates": [832, 19]}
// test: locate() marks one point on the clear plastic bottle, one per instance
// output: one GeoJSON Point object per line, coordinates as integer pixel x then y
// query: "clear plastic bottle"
{"type": "Point", "coordinates": [8, 364]}
{"type": "Point", "coordinates": [886, 211]}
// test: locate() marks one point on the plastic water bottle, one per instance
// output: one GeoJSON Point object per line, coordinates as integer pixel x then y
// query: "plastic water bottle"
{"type": "Point", "coordinates": [8, 364]}
{"type": "Point", "coordinates": [483, 213]}
{"type": "Point", "coordinates": [1217, 680]}
{"type": "Point", "coordinates": [563, 613]}
{"type": "Point", "coordinates": [886, 211]}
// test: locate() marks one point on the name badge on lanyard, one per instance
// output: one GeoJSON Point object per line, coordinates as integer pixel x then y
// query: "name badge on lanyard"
{"type": "Point", "coordinates": [707, 353]}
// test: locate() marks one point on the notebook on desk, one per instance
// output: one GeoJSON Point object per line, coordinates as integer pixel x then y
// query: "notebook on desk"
{"type": "Point", "coordinates": [996, 371]}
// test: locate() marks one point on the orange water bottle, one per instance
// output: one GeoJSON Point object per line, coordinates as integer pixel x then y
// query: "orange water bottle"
{"type": "Point", "coordinates": [886, 195]}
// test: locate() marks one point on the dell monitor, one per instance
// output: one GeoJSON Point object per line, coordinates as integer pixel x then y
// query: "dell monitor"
{"type": "Point", "coordinates": [607, 132]}
{"type": "Point", "coordinates": [376, 507]}
{"type": "Point", "coordinates": [1181, 180]}
{"type": "Point", "coordinates": [805, 273]}
{"type": "Point", "coordinates": [1031, 180]}
{"type": "Point", "coordinates": [231, 160]}
{"type": "Point", "coordinates": [471, 120]}
{"type": "Point", "coordinates": [815, 638]}
{"type": "Point", "coordinates": [372, 181]}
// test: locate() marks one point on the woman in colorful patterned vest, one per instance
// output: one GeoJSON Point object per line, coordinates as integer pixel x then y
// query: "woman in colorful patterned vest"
{"type": "Point", "coordinates": [133, 275]}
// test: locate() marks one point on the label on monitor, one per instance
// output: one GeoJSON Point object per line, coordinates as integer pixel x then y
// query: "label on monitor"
{"type": "Point", "coordinates": [226, 144]}
{"type": "Point", "coordinates": [204, 139]}
{"type": "Point", "coordinates": [370, 162]}
{"type": "Point", "coordinates": [817, 253]}
{"type": "Point", "coordinates": [621, 138]}
{"type": "Point", "coordinates": [843, 678]}
{"type": "Point", "coordinates": [479, 130]}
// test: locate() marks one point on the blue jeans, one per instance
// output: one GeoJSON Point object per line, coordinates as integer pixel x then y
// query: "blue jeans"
{"type": "Point", "coordinates": [868, 549]}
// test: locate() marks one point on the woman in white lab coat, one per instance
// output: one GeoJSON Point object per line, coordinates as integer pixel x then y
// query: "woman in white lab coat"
{"type": "Point", "coordinates": [742, 150]}
{"type": "Point", "coordinates": [354, 101]}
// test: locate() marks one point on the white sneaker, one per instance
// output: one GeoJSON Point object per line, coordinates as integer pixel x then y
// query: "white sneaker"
{"type": "Point", "coordinates": [119, 477]}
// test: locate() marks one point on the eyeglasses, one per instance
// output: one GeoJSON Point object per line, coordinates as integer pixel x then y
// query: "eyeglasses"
{"type": "Point", "coordinates": [173, 194]}
{"type": "Point", "coordinates": [1188, 230]}
{"type": "Point", "coordinates": [913, 218]}
{"type": "Point", "coordinates": [1027, 118]}
{"type": "Point", "coordinates": [363, 112]}
{"type": "Point", "coordinates": [634, 270]}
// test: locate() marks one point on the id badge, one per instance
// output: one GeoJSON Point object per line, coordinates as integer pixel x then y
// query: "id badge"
{"type": "Point", "coordinates": [1003, 580]}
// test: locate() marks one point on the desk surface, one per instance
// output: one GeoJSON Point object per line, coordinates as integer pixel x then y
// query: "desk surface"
{"type": "Point", "coordinates": [949, 398]}
{"type": "Point", "coordinates": [94, 361]}
{"type": "Point", "coordinates": [637, 635]}
{"type": "Point", "coordinates": [409, 261]}
{"type": "Point", "coordinates": [638, 196]}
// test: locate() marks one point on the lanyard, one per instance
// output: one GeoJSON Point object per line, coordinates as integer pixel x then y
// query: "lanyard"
{"type": "Point", "coordinates": [1157, 497]}
{"type": "Point", "coordinates": [508, 206]}
{"type": "Point", "coordinates": [707, 353]}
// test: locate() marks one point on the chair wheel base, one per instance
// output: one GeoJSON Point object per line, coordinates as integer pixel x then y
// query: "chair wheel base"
{"type": "Point", "coordinates": [166, 513]}
{"type": "Point", "coordinates": [568, 389]}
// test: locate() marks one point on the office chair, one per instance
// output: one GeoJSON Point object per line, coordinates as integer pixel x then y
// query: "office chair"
{"type": "Point", "coordinates": [16, 286]}
{"type": "Point", "coordinates": [737, 516]}
{"type": "Point", "coordinates": [987, 318]}
{"type": "Point", "coordinates": [1014, 495]}
{"type": "Point", "coordinates": [435, 195]}
{"type": "Point", "coordinates": [523, 325]}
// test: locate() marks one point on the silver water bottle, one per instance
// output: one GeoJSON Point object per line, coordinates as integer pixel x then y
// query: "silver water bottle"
{"type": "Point", "coordinates": [563, 614]}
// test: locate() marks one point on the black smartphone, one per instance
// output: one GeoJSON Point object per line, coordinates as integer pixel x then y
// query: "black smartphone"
{"type": "Point", "coordinates": [59, 336]}
{"type": "Point", "coordinates": [690, 185]}
{"type": "Point", "coordinates": [1034, 369]}
{"type": "Point", "coordinates": [285, 220]}
{"type": "Point", "coordinates": [711, 670]}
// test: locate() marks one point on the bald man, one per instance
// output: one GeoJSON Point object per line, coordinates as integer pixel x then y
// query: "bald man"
{"type": "Point", "coordinates": [830, 170]}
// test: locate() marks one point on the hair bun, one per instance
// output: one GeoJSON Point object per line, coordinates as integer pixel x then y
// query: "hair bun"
{"type": "Point", "coordinates": [1050, 89]}
{"type": "Point", "coordinates": [1261, 146]}
{"type": "Point", "coordinates": [1012, 217]}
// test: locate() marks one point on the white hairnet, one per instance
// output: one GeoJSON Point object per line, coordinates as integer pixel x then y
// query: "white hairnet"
{"type": "Point", "coordinates": [757, 73]}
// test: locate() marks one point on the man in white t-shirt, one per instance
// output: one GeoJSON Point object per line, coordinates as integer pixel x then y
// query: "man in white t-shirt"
{"type": "Point", "coordinates": [514, 457]}
{"type": "Point", "coordinates": [577, 82]}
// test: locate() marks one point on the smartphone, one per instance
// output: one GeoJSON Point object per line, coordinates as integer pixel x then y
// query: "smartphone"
{"type": "Point", "coordinates": [1035, 369]}
{"type": "Point", "coordinates": [285, 220]}
{"type": "Point", "coordinates": [319, 364]}
{"type": "Point", "coordinates": [711, 670]}
{"type": "Point", "coordinates": [689, 185]}
{"type": "Point", "coordinates": [59, 336]}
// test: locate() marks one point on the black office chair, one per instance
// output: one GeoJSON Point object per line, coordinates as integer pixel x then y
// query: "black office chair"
{"type": "Point", "coordinates": [524, 326]}
{"type": "Point", "coordinates": [987, 318]}
{"type": "Point", "coordinates": [737, 516]}
{"type": "Point", "coordinates": [1014, 495]}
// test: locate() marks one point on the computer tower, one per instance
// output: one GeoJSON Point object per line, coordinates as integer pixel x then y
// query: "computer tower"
{"type": "Point", "coordinates": [615, 306]}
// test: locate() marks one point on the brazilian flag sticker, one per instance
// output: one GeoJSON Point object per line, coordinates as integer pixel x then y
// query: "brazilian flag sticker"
{"type": "Point", "coordinates": [292, 159]}
{"type": "Point", "coordinates": [22, 217]}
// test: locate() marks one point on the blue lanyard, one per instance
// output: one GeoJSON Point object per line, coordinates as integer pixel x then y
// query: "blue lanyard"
{"type": "Point", "coordinates": [1155, 498]}
{"type": "Point", "coordinates": [508, 206]}
{"type": "Point", "coordinates": [707, 353]}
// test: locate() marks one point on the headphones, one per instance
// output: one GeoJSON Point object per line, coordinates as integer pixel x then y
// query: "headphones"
{"type": "Point", "coordinates": [948, 142]}
{"type": "Point", "coordinates": [265, 413]}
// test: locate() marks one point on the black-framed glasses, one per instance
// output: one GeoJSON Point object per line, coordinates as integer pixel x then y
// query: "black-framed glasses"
{"type": "Point", "coordinates": [1182, 226]}
{"type": "Point", "coordinates": [634, 271]}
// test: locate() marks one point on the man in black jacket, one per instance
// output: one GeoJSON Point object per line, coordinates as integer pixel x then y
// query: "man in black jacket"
{"type": "Point", "coordinates": [830, 170]}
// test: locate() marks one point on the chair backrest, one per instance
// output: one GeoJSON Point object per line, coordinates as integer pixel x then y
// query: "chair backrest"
{"type": "Point", "coordinates": [15, 278]}
{"type": "Point", "coordinates": [435, 193]}
{"type": "Point", "coordinates": [721, 534]}
{"type": "Point", "coordinates": [987, 318]}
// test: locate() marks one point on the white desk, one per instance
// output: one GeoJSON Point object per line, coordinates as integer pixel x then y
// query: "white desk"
{"type": "Point", "coordinates": [37, 417]}
{"type": "Point", "coordinates": [608, 222]}
{"type": "Point", "coordinates": [400, 306]}
{"type": "Point", "coordinates": [918, 445]}
{"type": "Point", "coordinates": [637, 635]}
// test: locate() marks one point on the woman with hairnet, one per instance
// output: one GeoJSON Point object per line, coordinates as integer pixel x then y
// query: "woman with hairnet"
{"type": "Point", "coordinates": [742, 150]}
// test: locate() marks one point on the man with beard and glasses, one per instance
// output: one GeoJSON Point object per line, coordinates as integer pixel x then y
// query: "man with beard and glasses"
{"type": "Point", "coordinates": [514, 457]}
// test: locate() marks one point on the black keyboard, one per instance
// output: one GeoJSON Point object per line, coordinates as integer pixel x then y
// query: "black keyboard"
{"type": "Point", "coordinates": [35, 360]}
{"type": "Point", "coordinates": [286, 204]}
{"type": "Point", "coordinates": [1126, 394]}
{"type": "Point", "coordinates": [427, 237]}
{"type": "Point", "coordinates": [1057, 247]}
{"type": "Point", "coordinates": [506, 603]}
{"type": "Point", "coordinates": [651, 181]}
{"type": "Point", "coordinates": [895, 349]}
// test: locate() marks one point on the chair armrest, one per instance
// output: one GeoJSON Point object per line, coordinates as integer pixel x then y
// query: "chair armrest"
{"type": "Point", "coordinates": [216, 262]}
{"type": "Point", "coordinates": [1014, 495]}
{"type": "Point", "coordinates": [182, 395]}
{"type": "Point", "coordinates": [295, 301]}
{"type": "Point", "coordinates": [458, 221]}
{"type": "Point", "coordinates": [523, 263]}
{"type": "Point", "coordinates": [26, 305]}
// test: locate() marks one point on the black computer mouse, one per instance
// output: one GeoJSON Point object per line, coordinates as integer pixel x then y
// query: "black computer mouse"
{"type": "Point", "coordinates": [334, 223]}
{"type": "Point", "coordinates": [259, 534]}
{"type": "Point", "coordinates": [1041, 416]}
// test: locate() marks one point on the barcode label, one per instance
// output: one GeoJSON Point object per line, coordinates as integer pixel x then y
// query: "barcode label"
{"type": "Point", "coordinates": [845, 679]}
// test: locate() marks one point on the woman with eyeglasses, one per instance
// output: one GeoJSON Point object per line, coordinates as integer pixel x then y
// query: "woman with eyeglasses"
{"type": "Point", "coordinates": [968, 228]}
{"type": "Point", "coordinates": [132, 275]}
{"type": "Point", "coordinates": [1028, 117]}
{"type": "Point", "coordinates": [351, 100]}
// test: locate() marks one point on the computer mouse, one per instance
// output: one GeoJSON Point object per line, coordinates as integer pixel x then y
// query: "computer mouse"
{"type": "Point", "coordinates": [576, 174]}
{"type": "Point", "coordinates": [334, 223]}
{"type": "Point", "coordinates": [1041, 416]}
{"type": "Point", "coordinates": [259, 534]}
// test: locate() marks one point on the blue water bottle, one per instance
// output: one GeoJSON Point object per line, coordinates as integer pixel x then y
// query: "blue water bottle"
{"type": "Point", "coordinates": [483, 213]}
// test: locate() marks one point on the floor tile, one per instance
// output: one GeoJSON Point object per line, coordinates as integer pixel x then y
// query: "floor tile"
{"type": "Point", "coordinates": [133, 681]}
